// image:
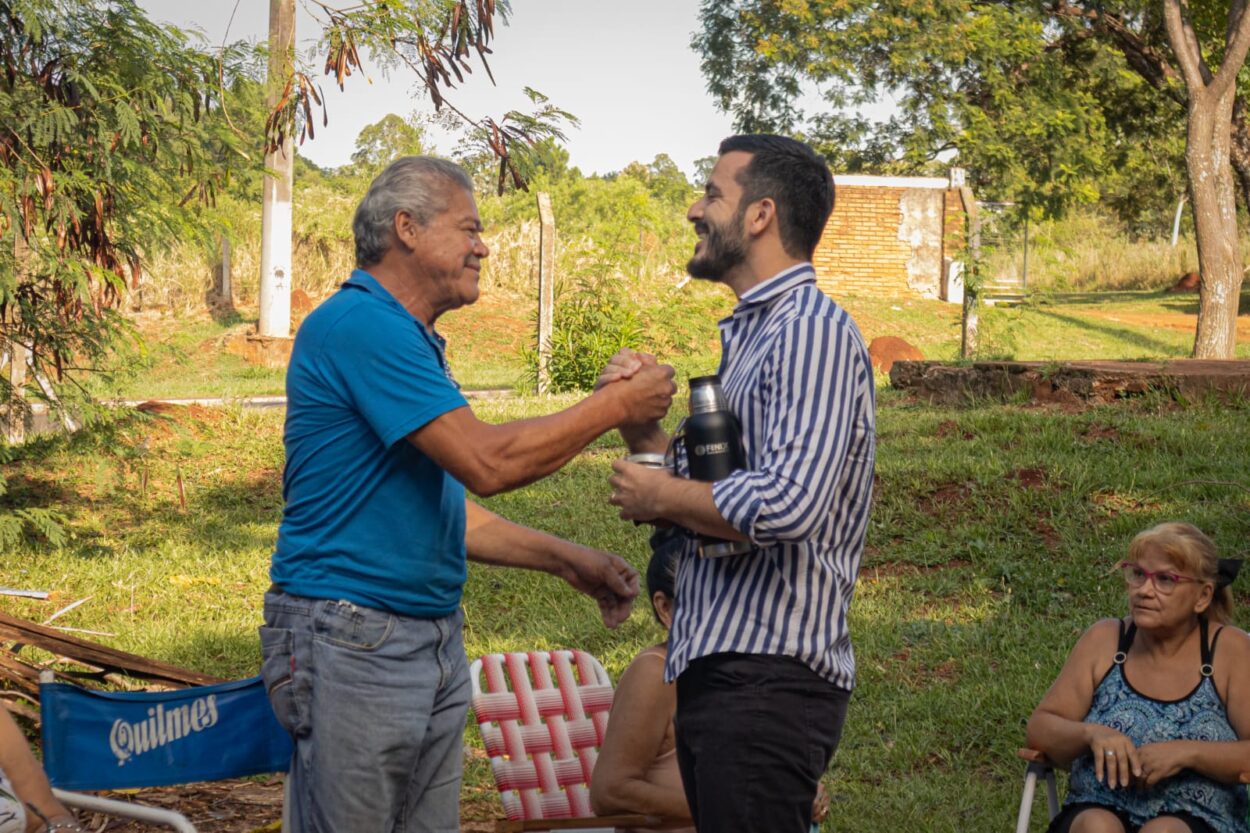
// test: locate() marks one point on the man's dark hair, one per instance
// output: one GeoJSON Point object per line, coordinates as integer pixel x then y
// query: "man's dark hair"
{"type": "Point", "coordinates": [795, 178]}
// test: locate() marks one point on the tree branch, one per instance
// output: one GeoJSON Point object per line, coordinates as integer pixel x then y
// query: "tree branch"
{"type": "Point", "coordinates": [1238, 40]}
{"type": "Point", "coordinates": [1143, 57]}
{"type": "Point", "coordinates": [1185, 46]}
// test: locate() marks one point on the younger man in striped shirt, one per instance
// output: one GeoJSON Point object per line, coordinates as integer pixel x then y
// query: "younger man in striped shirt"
{"type": "Point", "coordinates": [759, 646]}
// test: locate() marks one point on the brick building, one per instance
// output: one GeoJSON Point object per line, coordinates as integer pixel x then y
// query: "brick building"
{"type": "Point", "coordinates": [894, 237]}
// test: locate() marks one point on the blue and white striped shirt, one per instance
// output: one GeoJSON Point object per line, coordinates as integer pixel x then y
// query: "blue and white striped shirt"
{"type": "Point", "coordinates": [796, 373]}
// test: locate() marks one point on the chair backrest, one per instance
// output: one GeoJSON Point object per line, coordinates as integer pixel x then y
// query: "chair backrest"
{"type": "Point", "coordinates": [542, 715]}
{"type": "Point", "coordinates": [96, 740]}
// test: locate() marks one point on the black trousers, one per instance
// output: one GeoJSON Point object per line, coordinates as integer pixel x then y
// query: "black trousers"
{"type": "Point", "coordinates": [754, 735]}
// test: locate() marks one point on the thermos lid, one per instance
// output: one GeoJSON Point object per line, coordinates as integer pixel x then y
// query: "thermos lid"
{"type": "Point", "coordinates": [706, 395]}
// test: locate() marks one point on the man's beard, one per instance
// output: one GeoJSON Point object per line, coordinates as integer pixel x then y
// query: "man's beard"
{"type": "Point", "coordinates": [723, 249]}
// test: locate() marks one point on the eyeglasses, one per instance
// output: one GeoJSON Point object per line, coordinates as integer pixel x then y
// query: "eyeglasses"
{"type": "Point", "coordinates": [1164, 581]}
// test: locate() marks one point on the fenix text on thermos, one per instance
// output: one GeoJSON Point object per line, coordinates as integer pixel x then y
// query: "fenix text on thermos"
{"type": "Point", "coordinates": [713, 449]}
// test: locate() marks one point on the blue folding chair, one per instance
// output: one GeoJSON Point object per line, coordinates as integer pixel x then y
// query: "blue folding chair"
{"type": "Point", "coordinates": [103, 740]}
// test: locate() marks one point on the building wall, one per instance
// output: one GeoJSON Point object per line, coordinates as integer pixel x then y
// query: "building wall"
{"type": "Point", "coordinates": [888, 237]}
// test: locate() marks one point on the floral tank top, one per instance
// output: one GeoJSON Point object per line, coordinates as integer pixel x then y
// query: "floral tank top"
{"type": "Point", "coordinates": [1200, 715]}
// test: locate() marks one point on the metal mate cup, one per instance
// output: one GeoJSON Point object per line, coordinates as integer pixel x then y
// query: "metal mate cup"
{"type": "Point", "coordinates": [649, 459]}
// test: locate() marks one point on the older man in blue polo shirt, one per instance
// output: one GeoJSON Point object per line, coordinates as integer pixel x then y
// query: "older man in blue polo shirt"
{"type": "Point", "coordinates": [363, 655]}
{"type": "Point", "coordinates": [759, 645]}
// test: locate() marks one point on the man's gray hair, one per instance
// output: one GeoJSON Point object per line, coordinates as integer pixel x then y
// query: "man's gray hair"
{"type": "Point", "coordinates": [418, 185]}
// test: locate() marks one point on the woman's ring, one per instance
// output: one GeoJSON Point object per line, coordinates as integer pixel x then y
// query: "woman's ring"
{"type": "Point", "coordinates": [1110, 753]}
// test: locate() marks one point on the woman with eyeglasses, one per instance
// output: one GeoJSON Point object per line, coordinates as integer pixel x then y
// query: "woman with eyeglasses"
{"type": "Point", "coordinates": [1150, 711]}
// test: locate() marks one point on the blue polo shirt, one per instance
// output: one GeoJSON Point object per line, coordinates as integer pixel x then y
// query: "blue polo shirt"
{"type": "Point", "coordinates": [368, 517]}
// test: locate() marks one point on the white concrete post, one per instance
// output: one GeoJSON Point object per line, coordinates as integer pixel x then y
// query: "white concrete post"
{"type": "Point", "coordinates": [275, 250]}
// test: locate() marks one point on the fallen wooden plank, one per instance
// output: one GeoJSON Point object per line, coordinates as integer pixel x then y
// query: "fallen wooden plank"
{"type": "Point", "coordinates": [19, 630]}
{"type": "Point", "coordinates": [19, 674]}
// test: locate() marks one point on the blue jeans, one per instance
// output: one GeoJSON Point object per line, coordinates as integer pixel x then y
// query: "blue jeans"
{"type": "Point", "coordinates": [375, 703]}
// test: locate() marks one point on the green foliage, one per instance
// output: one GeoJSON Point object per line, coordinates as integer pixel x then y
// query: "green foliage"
{"type": "Point", "coordinates": [384, 141]}
{"type": "Point", "coordinates": [592, 321]}
{"type": "Point", "coordinates": [1036, 100]}
{"type": "Point", "coordinates": [20, 524]}
{"type": "Point", "coordinates": [111, 136]}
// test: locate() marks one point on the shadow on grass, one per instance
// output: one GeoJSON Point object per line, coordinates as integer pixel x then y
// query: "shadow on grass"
{"type": "Point", "coordinates": [232, 655]}
{"type": "Point", "coordinates": [1124, 334]}
{"type": "Point", "coordinates": [1118, 297]}
{"type": "Point", "coordinates": [1187, 304]}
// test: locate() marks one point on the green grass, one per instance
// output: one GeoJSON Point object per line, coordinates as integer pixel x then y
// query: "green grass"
{"type": "Point", "coordinates": [988, 553]}
{"type": "Point", "coordinates": [186, 358]}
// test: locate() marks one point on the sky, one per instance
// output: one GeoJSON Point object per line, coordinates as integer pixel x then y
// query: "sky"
{"type": "Point", "coordinates": [626, 70]}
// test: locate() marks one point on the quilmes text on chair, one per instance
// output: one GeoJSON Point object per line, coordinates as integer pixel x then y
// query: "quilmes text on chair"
{"type": "Point", "coordinates": [97, 740]}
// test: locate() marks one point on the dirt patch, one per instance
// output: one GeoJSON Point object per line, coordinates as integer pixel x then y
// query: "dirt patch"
{"type": "Point", "coordinates": [1029, 478]}
{"type": "Point", "coordinates": [246, 806]}
{"type": "Point", "coordinates": [1098, 431]}
{"type": "Point", "coordinates": [491, 326]}
{"type": "Point", "coordinates": [1048, 534]}
{"type": "Point", "coordinates": [237, 806]}
{"type": "Point", "coordinates": [945, 496]}
{"type": "Point", "coordinates": [949, 428]}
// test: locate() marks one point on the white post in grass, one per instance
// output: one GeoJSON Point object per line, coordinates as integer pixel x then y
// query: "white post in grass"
{"type": "Point", "coordinates": [546, 287]}
{"type": "Point", "coordinates": [275, 250]}
{"type": "Point", "coordinates": [1176, 222]}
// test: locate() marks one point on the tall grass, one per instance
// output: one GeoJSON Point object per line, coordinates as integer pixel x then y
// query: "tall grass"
{"type": "Point", "coordinates": [1088, 251]}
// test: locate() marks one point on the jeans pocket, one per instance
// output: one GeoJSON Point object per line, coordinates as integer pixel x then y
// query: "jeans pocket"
{"type": "Point", "coordinates": [282, 681]}
{"type": "Point", "coordinates": [348, 626]}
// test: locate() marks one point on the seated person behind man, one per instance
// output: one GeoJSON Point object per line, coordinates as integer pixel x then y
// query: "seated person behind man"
{"type": "Point", "coordinates": [26, 801]}
{"type": "Point", "coordinates": [637, 770]}
{"type": "Point", "coordinates": [1150, 717]}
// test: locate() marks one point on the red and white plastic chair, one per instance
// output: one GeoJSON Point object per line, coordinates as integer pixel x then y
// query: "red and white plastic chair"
{"type": "Point", "coordinates": [543, 715]}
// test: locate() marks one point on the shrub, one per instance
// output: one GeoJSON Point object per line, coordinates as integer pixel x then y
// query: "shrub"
{"type": "Point", "coordinates": [592, 321]}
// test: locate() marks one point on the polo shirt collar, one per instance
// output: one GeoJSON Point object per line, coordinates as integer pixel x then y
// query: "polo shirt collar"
{"type": "Point", "coordinates": [360, 279]}
{"type": "Point", "coordinates": [778, 284]}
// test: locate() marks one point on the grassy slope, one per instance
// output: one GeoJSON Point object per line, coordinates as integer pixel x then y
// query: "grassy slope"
{"type": "Point", "coordinates": [987, 554]}
{"type": "Point", "coordinates": [484, 341]}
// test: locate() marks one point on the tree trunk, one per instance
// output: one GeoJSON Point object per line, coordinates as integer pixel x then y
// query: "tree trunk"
{"type": "Point", "coordinates": [275, 251]}
{"type": "Point", "coordinates": [1240, 150]}
{"type": "Point", "coordinates": [1207, 160]}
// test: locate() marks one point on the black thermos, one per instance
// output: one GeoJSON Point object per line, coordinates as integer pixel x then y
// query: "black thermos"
{"type": "Point", "coordinates": [713, 449]}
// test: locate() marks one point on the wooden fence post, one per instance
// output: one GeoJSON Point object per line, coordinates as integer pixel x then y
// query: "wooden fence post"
{"type": "Point", "coordinates": [225, 290]}
{"type": "Point", "coordinates": [546, 288]}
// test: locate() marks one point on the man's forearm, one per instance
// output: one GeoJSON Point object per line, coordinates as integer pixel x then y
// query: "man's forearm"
{"type": "Point", "coordinates": [648, 438]}
{"type": "Point", "coordinates": [490, 539]}
{"type": "Point", "coordinates": [689, 503]}
{"type": "Point", "coordinates": [529, 449]}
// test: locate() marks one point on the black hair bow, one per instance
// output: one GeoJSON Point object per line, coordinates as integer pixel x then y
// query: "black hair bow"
{"type": "Point", "coordinates": [1227, 571]}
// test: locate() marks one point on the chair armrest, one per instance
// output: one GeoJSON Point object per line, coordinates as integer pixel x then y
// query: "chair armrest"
{"type": "Point", "coordinates": [1033, 756]}
{"type": "Point", "coordinates": [1036, 756]}
{"type": "Point", "coordinates": [608, 822]}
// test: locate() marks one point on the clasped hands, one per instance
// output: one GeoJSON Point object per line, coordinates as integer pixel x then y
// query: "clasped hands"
{"type": "Point", "coordinates": [1120, 763]}
{"type": "Point", "coordinates": [636, 489]}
